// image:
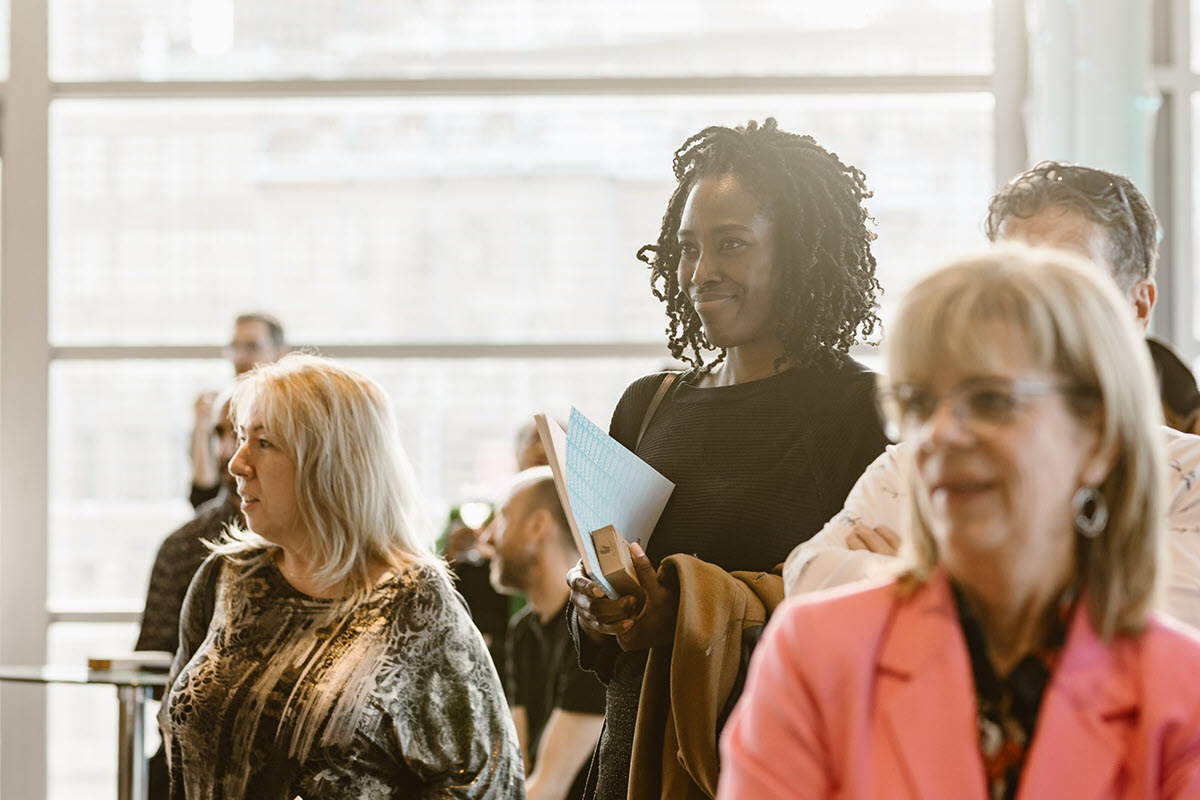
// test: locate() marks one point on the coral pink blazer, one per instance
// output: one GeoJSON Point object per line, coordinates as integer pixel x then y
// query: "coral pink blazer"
{"type": "Point", "coordinates": [861, 693]}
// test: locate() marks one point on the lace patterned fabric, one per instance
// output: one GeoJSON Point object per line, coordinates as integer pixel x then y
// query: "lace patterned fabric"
{"type": "Point", "coordinates": [282, 696]}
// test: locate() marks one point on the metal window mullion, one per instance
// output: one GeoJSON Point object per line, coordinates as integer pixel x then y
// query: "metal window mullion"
{"type": "Point", "coordinates": [1009, 79]}
{"type": "Point", "coordinates": [24, 396]}
{"type": "Point", "coordinates": [1173, 77]}
{"type": "Point", "coordinates": [509, 86]}
{"type": "Point", "coordinates": [1182, 329]}
{"type": "Point", "coordinates": [422, 350]}
{"type": "Point", "coordinates": [105, 617]}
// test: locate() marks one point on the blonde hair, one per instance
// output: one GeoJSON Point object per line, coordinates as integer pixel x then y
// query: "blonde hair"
{"type": "Point", "coordinates": [356, 492]}
{"type": "Point", "coordinates": [1077, 326]}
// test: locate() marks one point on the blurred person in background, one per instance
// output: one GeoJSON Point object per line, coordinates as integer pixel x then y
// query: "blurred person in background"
{"type": "Point", "coordinates": [763, 256]}
{"type": "Point", "coordinates": [557, 707]}
{"type": "Point", "coordinates": [1177, 388]}
{"type": "Point", "coordinates": [468, 560]}
{"type": "Point", "coordinates": [178, 558]}
{"type": "Point", "coordinates": [323, 650]}
{"type": "Point", "coordinates": [257, 339]}
{"type": "Point", "coordinates": [460, 543]}
{"type": "Point", "coordinates": [529, 449]}
{"type": "Point", "coordinates": [184, 550]}
{"type": "Point", "coordinates": [1019, 654]}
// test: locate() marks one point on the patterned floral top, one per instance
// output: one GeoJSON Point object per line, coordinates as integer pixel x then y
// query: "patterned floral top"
{"type": "Point", "coordinates": [278, 698]}
{"type": "Point", "coordinates": [1007, 708]}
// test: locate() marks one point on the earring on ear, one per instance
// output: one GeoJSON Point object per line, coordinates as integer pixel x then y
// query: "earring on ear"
{"type": "Point", "coordinates": [1091, 511]}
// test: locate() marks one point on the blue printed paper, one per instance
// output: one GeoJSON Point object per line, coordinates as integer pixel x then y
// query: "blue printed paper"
{"type": "Point", "coordinates": [609, 485]}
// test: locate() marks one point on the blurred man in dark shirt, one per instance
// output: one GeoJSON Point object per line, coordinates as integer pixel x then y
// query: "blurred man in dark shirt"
{"type": "Point", "coordinates": [557, 707]}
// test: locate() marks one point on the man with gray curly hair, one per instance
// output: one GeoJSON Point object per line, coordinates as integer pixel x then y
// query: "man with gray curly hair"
{"type": "Point", "coordinates": [1104, 217]}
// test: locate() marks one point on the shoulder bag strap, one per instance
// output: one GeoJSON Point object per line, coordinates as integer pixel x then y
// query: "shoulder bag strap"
{"type": "Point", "coordinates": [655, 401]}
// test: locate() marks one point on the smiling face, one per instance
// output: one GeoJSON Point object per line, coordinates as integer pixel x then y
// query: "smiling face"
{"type": "Point", "coordinates": [266, 482]}
{"type": "Point", "coordinates": [727, 262]}
{"type": "Point", "coordinates": [997, 491]}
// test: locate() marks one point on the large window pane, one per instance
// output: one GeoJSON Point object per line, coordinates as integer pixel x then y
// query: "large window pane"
{"type": "Point", "coordinates": [119, 436]}
{"type": "Point", "coordinates": [248, 39]}
{"type": "Point", "coordinates": [495, 219]}
{"type": "Point", "coordinates": [119, 473]}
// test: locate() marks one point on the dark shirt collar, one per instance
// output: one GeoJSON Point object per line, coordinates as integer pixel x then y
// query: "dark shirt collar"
{"type": "Point", "coordinates": [1019, 693]}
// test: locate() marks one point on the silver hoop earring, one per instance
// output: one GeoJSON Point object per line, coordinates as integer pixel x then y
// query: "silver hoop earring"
{"type": "Point", "coordinates": [1091, 511]}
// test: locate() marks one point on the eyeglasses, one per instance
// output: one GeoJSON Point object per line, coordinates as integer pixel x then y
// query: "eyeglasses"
{"type": "Point", "coordinates": [976, 402]}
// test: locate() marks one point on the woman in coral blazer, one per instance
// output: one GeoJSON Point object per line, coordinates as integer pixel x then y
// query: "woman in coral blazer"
{"type": "Point", "coordinates": [1019, 657]}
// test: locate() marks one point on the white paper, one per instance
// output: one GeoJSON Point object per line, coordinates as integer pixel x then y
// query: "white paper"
{"type": "Point", "coordinates": [609, 485]}
{"type": "Point", "coordinates": [601, 483]}
{"type": "Point", "coordinates": [554, 441]}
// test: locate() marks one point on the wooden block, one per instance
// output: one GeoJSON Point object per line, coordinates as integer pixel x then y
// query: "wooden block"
{"type": "Point", "coordinates": [136, 661]}
{"type": "Point", "coordinates": [614, 561]}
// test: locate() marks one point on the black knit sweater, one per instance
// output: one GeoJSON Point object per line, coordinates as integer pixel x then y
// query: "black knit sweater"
{"type": "Point", "coordinates": [758, 468]}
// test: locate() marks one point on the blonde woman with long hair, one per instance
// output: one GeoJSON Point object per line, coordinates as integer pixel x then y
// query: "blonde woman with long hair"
{"type": "Point", "coordinates": [324, 652]}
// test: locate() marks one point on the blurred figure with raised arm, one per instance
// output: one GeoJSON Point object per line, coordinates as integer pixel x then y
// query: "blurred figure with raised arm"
{"type": "Point", "coordinates": [257, 339]}
{"type": "Point", "coordinates": [178, 558]}
{"type": "Point", "coordinates": [1018, 655]}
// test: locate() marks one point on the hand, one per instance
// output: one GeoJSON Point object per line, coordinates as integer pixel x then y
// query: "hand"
{"type": "Point", "coordinates": [654, 625]}
{"type": "Point", "coordinates": [598, 615]}
{"type": "Point", "coordinates": [204, 410]}
{"type": "Point", "coordinates": [880, 539]}
{"type": "Point", "coordinates": [462, 544]}
{"type": "Point", "coordinates": [205, 471]}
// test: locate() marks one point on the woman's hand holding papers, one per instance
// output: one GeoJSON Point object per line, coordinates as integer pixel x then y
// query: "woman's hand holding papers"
{"type": "Point", "coordinates": [654, 626]}
{"type": "Point", "coordinates": [598, 615]}
{"type": "Point", "coordinates": [639, 621]}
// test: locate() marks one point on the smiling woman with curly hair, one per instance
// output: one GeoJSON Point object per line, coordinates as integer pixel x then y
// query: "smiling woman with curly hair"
{"type": "Point", "coordinates": [826, 285]}
{"type": "Point", "coordinates": [763, 258]}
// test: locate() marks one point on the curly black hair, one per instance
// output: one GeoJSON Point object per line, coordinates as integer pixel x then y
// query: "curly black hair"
{"type": "Point", "coordinates": [1104, 197]}
{"type": "Point", "coordinates": [828, 288]}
